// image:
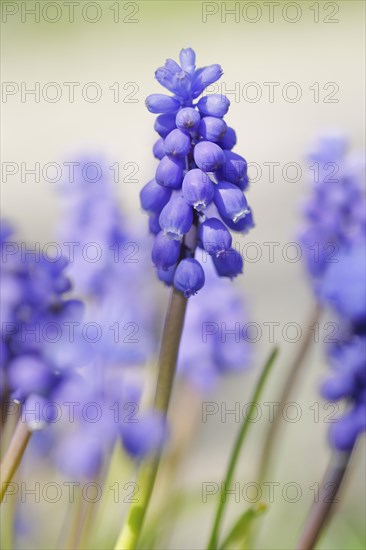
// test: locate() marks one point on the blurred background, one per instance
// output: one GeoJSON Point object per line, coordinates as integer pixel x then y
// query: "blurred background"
{"type": "Point", "coordinates": [291, 70]}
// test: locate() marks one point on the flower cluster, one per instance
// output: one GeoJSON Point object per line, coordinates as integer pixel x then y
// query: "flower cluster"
{"type": "Point", "coordinates": [108, 267]}
{"type": "Point", "coordinates": [213, 333]}
{"type": "Point", "coordinates": [335, 212]}
{"type": "Point", "coordinates": [197, 194]}
{"type": "Point", "coordinates": [35, 358]}
{"type": "Point", "coordinates": [335, 242]}
{"type": "Point", "coordinates": [118, 303]}
{"type": "Point", "coordinates": [343, 288]}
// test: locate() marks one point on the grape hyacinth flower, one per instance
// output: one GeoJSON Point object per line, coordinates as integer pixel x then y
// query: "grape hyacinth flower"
{"type": "Point", "coordinates": [118, 304]}
{"type": "Point", "coordinates": [335, 213]}
{"type": "Point", "coordinates": [36, 356]}
{"type": "Point", "coordinates": [12, 291]}
{"type": "Point", "coordinates": [197, 171]}
{"type": "Point", "coordinates": [89, 368]}
{"type": "Point", "coordinates": [343, 289]}
{"type": "Point", "coordinates": [335, 251]}
{"type": "Point", "coordinates": [108, 410]}
{"type": "Point", "coordinates": [334, 246]}
{"type": "Point", "coordinates": [193, 170]}
{"type": "Point", "coordinates": [92, 220]}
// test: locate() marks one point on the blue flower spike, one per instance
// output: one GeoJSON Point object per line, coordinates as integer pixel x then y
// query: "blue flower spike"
{"type": "Point", "coordinates": [197, 195]}
{"type": "Point", "coordinates": [334, 246]}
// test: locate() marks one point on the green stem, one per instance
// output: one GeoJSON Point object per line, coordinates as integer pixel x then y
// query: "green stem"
{"type": "Point", "coordinates": [322, 509]}
{"type": "Point", "coordinates": [244, 428]}
{"type": "Point", "coordinates": [7, 513]}
{"type": "Point", "coordinates": [13, 456]}
{"type": "Point", "coordinates": [173, 328]}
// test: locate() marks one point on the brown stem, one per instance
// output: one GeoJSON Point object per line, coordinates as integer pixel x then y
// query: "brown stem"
{"type": "Point", "coordinates": [169, 349]}
{"type": "Point", "coordinates": [13, 456]}
{"type": "Point", "coordinates": [4, 408]}
{"type": "Point", "coordinates": [12, 416]}
{"type": "Point", "coordinates": [173, 328]}
{"type": "Point", "coordinates": [322, 509]}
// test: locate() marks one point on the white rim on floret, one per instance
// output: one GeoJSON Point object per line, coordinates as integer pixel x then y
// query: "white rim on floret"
{"type": "Point", "coordinates": [241, 215]}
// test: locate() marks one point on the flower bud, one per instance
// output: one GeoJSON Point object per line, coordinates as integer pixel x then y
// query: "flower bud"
{"type": "Point", "coordinates": [176, 80]}
{"type": "Point", "coordinates": [164, 124]}
{"type": "Point", "coordinates": [243, 183]}
{"type": "Point", "coordinates": [230, 201]}
{"type": "Point", "coordinates": [153, 197]}
{"type": "Point", "coordinates": [189, 277]}
{"type": "Point", "coordinates": [187, 119]}
{"type": "Point", "coordinates": [167, 276]}
{"type": "Point", "coordinates": [343, 434]}
{"type": "Point", "coordinates": [212, 128]}
{"type": "Point", "coordinates": [208, 156]}
{"type": "Point", "coordinates": [214, 105]}
{"type": "Point", "coordinates": [198, 190]}
{"type": "Point", "coordinates": [187, 59]}
{"type": "Point", "coordinates": [205, 77]}
{"type": "Point", "coordinates": [214, 237]}
{"type": "Point", "coordinates": [30, 374]}
{"type": "Point", "coordinates": [176, 218]}
{"type": "Point", "coordinates": [165, 251]}
{"type": "Point", "coordinates": [229, 265]}
{"type": "Point", "coordinates": [177, 143]}
{"type": "Point", "coordinates": [154, 224]}
{"type": "Point", "coordinates": [158, 149]}
{"type": "Point", "coordinates": [145, 436]}
{"type": "Point", "coordinates": [234, 169]}
{"type": "Point", "coordinates": [165, 75]}
{"type": "Point", "coordinates": [243, 225]}
{"type": "Point", "coordinates": [229, 139]}
{"type": "Point", "coordinates": [161, 103]}
{"type": "Point", "coordinates": [169, 173]}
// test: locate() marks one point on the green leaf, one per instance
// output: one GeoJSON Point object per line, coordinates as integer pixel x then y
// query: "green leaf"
{"type": "Point", "coordinates": [238, 445]}
{"type": "Point", "coordinates": [240, 530]}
